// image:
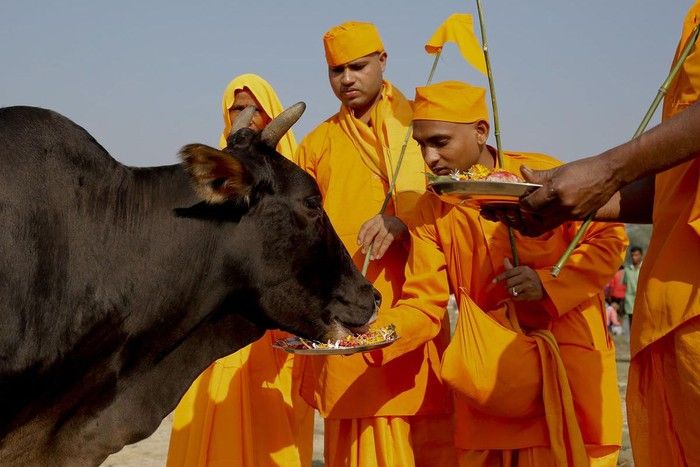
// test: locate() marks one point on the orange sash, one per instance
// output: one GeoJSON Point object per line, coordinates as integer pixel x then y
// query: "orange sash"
{"type": "Point", "coordinates": [503, 372]}
{"type": "Point", "coordinates": [380, 145]}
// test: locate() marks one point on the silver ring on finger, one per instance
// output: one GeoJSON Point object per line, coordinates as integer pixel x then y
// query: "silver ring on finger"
{"type": "Point", "coordinates": [514, 292]}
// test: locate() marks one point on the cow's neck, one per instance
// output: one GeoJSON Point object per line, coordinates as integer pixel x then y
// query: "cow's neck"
{"type": "Point", "coordinates": [130, 282]}
{"type": "Point", "coordinates": [171, 279]}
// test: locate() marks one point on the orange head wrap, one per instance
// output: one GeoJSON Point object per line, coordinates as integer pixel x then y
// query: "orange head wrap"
{"type": "Point", "coordinates": [451, 101]}
{"type": "Point", "coordinates": [350, 41]}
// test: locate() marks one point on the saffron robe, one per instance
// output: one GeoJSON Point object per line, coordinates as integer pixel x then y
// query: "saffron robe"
{"type": "Point", "coordinates": [454, 248]}
{"type": "Point", "coordinates": [353, 164]}
{"type": "Point", "coordinates": [224, 417]}
{"type": "Point", "coordinates": [664, 378]}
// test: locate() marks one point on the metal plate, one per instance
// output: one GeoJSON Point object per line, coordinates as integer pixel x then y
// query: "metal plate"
{"type": "Point", "coordinates": [479, 192]}
{"type": "Point", "coordinates": [292, 345]}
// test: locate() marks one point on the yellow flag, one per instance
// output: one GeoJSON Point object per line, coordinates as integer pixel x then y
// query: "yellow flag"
{"type": "Point", "coordinates": [458, 28]}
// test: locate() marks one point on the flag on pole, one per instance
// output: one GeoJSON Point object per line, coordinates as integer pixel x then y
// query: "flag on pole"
{"type": "Point", "coordinates": [458, 28]}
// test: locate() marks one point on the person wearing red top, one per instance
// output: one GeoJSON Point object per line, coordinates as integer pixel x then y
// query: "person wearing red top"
{"type": "Point", "coordinates": [615, 291]}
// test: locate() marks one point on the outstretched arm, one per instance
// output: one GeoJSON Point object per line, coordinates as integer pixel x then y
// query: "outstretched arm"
{"type": "Point", "coordinates": [418, 315]}
{"type": "Point", "coordinates": [632, 204]}
{"type": "Point", "coordinates": [574, 190]}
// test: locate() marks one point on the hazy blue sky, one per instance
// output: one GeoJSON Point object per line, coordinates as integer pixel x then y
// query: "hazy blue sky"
{"type": "Point", "coordinates": [146, 77]}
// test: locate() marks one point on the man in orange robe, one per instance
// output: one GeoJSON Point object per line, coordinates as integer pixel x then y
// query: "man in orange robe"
{"type": "Point", "coordinates": [653, 178]}
{"type": "Point", "coordinates": [245, 409]}
{"type": "Point", "coordinates": [539, 390]}
{"type": "Point", "coordinates": [398, 414]}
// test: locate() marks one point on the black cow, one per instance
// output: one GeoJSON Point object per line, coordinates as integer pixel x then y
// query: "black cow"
{"type": "Point", "coordinates": [118, 285]}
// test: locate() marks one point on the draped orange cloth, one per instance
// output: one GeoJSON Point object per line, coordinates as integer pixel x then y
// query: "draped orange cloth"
{"type": "Point", "coordinates": [664, 381]}
{"type": "Point", "coordinates": [352, 163]}
{"type": "Point", "coordinates": [453, 248]}
{"type": "Point", "coordinates": [398, 441]}
{"type": "Point", "coordinates": [268, 100]}
{"type": "Point", "coordinates": [245, 409]}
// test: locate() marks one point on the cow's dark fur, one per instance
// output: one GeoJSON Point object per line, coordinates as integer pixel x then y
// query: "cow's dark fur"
{"type": "Point", "coordinates": [118, 285]}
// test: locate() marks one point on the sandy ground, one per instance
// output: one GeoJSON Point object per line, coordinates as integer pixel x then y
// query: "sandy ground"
{"type": "Point", "coordinates": [622, 344]}
{"type": "Point", "coordinates": [152, 451]}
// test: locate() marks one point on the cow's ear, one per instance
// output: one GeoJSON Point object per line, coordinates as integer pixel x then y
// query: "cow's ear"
{"type": "Point", "coordinates": [217, 176]}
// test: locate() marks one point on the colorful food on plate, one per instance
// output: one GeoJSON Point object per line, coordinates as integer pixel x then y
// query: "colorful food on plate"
{"type": "Point", "coordinates": [500, 175]}
{"type": "Point", "coordinates": [369, 338]}
{"type": "Point", "coordinates": [481, 172]}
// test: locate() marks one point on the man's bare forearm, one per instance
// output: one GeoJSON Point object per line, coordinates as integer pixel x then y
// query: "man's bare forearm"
{"type": "Point", "coordinates": [673, 142]}
{"type": "Point", "coordinates": [633, 204]}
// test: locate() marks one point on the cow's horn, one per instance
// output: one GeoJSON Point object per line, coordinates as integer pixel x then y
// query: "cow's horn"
{"type": "Point", "coordinates": [243, 119]}
{"type": "Point", "coordinates": [274, 131]}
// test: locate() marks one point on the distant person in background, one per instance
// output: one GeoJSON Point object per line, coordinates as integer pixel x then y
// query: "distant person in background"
{"type": "Point", "coordinates": [630, 279]}
{"type": "Point", "coordinates": [612, 310]}
{"type": "Point", "coordinates": [615, 290]}
{"type": "Point", "coordinates": [245, 409]}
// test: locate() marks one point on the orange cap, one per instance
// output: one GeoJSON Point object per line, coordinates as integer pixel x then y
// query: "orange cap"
{"type": "Point", "coordinates": [350, 41]}
{"type": "Point", "coordinates": [450, 101]}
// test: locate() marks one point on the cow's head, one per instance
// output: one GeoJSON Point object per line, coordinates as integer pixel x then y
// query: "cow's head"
{"type": "Point", "coordinates": [283, 255]}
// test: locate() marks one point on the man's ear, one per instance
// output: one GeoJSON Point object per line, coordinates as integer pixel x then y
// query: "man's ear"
{"type": "Point", "coordinates": [482, 131]}
{"type": "Point", "coordinates": [382, 60]}
{"type": "Point", "coordinates": [217, 176]}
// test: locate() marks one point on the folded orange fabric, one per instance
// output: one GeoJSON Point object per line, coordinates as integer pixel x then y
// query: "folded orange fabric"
{"type": "Point", "coordinates": [503, 372]}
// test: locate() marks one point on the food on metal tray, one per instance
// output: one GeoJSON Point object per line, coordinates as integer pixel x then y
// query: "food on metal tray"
{"type": "Point", "coordinates": [481, 172]}
{"type": "Point", "coordinates": [371, 337]}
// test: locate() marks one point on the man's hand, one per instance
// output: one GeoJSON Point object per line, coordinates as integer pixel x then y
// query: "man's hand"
{"type": "Point", "coordinates": [382, 230]}
{"type": "Point", "coordinates": [522, 282]}
{"type": "Point", "coordinates": [568, 192]}
{"type": "Point", "coordinates": [531, 224]}
{"type": "Point", "coordinates": [571, 191]}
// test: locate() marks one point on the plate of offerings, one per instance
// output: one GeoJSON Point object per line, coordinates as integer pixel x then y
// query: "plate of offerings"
{"type": "Point", "coordinates": [479, 186]}
{"type": "Point", "coordinates": [351, 344]}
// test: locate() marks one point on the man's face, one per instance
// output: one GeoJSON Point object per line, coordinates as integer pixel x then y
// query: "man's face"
{"type": "Point", "coordinates": [636, 257]}
{"type": "Point", "coordinates": [243, 99]}
{"type": "Point", "coordinates": [447, 146]}
{"type": "Point", "coordinates": [358, 82]}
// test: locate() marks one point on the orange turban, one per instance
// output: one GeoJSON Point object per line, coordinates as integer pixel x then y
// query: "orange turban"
{"type": "Point", "coordinates": [350, 41]}
{"type": "Point", "coordinates": [450, 101]}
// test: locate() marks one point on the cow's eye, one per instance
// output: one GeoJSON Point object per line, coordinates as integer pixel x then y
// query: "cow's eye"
{"type": "Point", "coordinates": [313, 203]}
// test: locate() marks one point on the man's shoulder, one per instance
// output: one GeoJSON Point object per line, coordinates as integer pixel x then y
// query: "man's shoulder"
{"type": "Point", "coordinates": [424, 211]}
{"type": "Point", "coordinates": [534, 160]}
{"type": "Point", "coordinates": [323, 130]}
{"type": "Point", "coordinates": [427, 199]}
{"type": "Point", "coordinates": [429, 206]}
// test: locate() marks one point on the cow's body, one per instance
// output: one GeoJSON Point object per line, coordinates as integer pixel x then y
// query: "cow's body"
{"type": "Point", "coordinates": [117, 287]}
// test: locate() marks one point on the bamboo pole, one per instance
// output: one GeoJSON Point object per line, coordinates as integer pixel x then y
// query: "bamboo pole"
{"type": "Point", "coordinates": [556, 269]}
{"type": "Point", "coordinates": [496, 122]}
{"type": "Point", "coordinates": [392, 185]}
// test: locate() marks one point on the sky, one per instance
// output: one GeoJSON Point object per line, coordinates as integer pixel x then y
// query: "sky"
{"type": "Point", "coordinates": [572, 78]}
